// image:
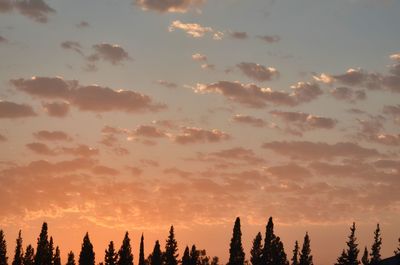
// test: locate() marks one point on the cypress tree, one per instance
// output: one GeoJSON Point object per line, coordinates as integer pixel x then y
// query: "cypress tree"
{"type": "Point", "coordinates": [141, 251]}
{"type": "Point", "coordinates": [156, 256]}
{"type": "Point", "coordinates": [397, 251]}
{"type": "Point", "coordinates": [295, 258]}
{"type": "Point", "coordinates": [43, 251]}
{"type": "Point", "coordinates": [56, 257]}
{"type": "Point", "coordinates": [376, 247]}
{"type": "Point", "coordinates": [51, 250]}
{"type": "Point", "coordinates": [29, 256]}
{"type": "Point", "coordinates": [186, 257]}
{"type": "Point", "coordinates": [171, 249]}
{"type": "Point", "coordinates": [236, 253]}
{"type": "Point", "coordinates": [71, 258]}
{"type": "Point", "coordinates": [364, 259]}
{"type": "Point", "coordinates": [18, 256]}
{"type": "Point", "coordinates": [125, 256]}
{"type": "Point", "coordinates": [256, 250]}
{"type": "Point", "coordinates": [203, 258]}
{"type": "Point", "coordinates": [3, 249]}
{"type": "Point", "coordinates": [111, 256]}
{"type": "Point", "coordinates": [305, 257]}
{"type": "Point", "coordinates": [194, 256]}
{"type": "Point", "coordinates": [342, 259]}
{"type": "Point", "coordinates": [278, 253]}
{"type": "Point", "coordinates": [268, 242]}
{"type": "Point", "coordinates": [352, 250]}
{"type": "Point", "coordinates": [215, 260]}
{"type": "Point", "coordinates": [87, 256]}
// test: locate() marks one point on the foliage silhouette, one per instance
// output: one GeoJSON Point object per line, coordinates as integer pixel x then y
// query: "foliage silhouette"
{"type": "Point", "coordinates": [87, 255]}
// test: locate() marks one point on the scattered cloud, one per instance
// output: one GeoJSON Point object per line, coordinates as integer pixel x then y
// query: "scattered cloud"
{"type": "Point", "coordinates": [3, 138]}
{"type": "Point", "coordinates": [290, 172]}
{"type": "Point", "coordinates": [258, 72]}
{"type": "Point", "coordinates": [56, 109]}
{"type": "Point", "coordinates": [240, 35]}
{"type": "Point", "coordinates": [72, 45]}
{"type": "Point", "coordinates": [163, 6]}
{"type": "Point", "coordinates": [82, 24]}
{"type": "Point", "coordinates": [348, 94]}
{"type": "Point", "coordinates": [36, 10]}
{"type": "Point", "coordinates": [195, 30]}
{"type": "Point", "coordinates": [269, 38]}
{"type": "Point", "coordinates": [199, 57]}
{"type": "Point", "coordinates": [149, 131]}
{"type": "Point", "coordinates": [189, 135]}
{"type": "Point", "coordinates": [52, 136]}
{"type": "Point", "coordinates": [112, 53]}
{"type": "Point", "coordinates": [3, 40]}
{"type": "Point", "coordinates": [393, 111]}
{"type": "Point", "coordinates": [250, 120]}
{"type": "Point", "coordinates": [239, 154]}
{"type": "Point", "coordinates": [12, 110]}
{"type": "Point", "coordinates": [41, 149]}
{"type": "Point", "coordinates": [167, 84]}
{"type": "Point", "coordinates": [86, 98]}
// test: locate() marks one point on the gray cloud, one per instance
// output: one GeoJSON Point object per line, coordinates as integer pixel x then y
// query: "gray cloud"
{"type": "Point", "coordinates": [270, 38]}
{"type": "Point", "coordinates": [258, 72]}
{"type": "Point", "coordinates": [56, 109]}
{"type": "Point", "coordinates": [112, 53]}
{"type": "Point", "coordinates": [250, 120]}
{"type": "Point", "coordinates": [36, 10]}
{"type": "Point", "coordinates": [168, 6]}
{"type": "Point", "coordinates": [14, 110]}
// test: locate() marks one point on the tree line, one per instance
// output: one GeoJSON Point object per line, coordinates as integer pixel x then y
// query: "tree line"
{"type": "Point", "coordinates": [268, 252]}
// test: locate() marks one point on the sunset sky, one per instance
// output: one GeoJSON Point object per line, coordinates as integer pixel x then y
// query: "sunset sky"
{"type": "Point", "coordinates": [132, 115]}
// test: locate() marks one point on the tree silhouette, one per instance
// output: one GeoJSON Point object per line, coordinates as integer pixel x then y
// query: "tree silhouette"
{"type": "Point", "coordinates": [125, 256]}
{"type": "Point", "coordinates": [171, 249]}
{"type": "Point", "coordinates": [3, 249]}
{"type": "Point", "coordinates": [71, 258]}
{"type": "Point", "coordinates": [18, 255]}
{"type": "Point", "coordinates": [236, 253]}
{"type": "Point", "coordinates": [87, 256]}
{"type": "Point", "coordinates": [268, 243]}
{"type": "Point", "coordinates": [397, 251]}
{"type": "Point", "coordinates": [141, 251]}
{"type": "Point", "coordinates": [29, 256]}
{"type": "Point", "coordinates": [203, 258]}
{"type": "Point", "coordinates": [111, 256]}
{"type": "Point", "coordinates": [350, 256]}
{"type": "Point", "coordinates": [44, 253]}
{"type": "Point", "coordinates": [56, 257]}
{"type": "Point", "coordinates": [376, 247]}
{"type": "Point", "coordinates": [256, 250]}
{"type": "Point", "coordinates": [364, 259]}
{"type": "Point", "coordinates": [194, 256]}
{"type": "Point", "coordinates": [295, 258]}
{"type": "Point", "coordinates": [305, 255]}
{"type": "Point", "coordinates": [186, 257]}
{"type": "Point", "coordinates": [215, 260]}
{"type": "Point", "coordinates": [278, 253]}
{"type": "Point", "coordinates": [156, 256]}
{"type": "Point", "coordinates": [342, 259]}
{"type": "Point", "coordinates": [51, 250]}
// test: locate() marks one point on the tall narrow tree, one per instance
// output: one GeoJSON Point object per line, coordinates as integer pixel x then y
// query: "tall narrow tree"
{"type": "Point", "coordinates": [376, 247]}
{"type": "Point", "coordinates": [141, 251]}
{"type": "Point", "coordinates": [156, 256]}
{"type": "Point", "coordinates": [29, 256]}
{"type": "Point", "coordinates": [171, 249]}
{"type": "Point", "coordinates": [3, 249]}
{"type": "Point", "coordinates": [305, 255]}
{"type": "Point", "coordinates": [268, 243]}
{"type": "Point", "coordinates": [397, 251]}
{"type": "Point", "coordinates": [87, 255]}
{"type": "Point", "coordinates": [236, 253]}
{"type": "Point", "coordinates": [18, 255]}
{"type": "Point", "coordinates": [71, 258]}
{"type": "Point", "coordinates": [215, 260]}
{"type": "Point", "coordinates": [125, 256]}
{"type": "Point", "coordinates": [342, 259]}
{"type": "Point", "coordinates": [43, 250]}
{"type": "Point", "coordinates": [278, 253]}
{"type": "Point", "coordinates": [295, 257]}
{"type": "Point", "coordinates": [51, 250]}
{"type": "Point", "coordinates": [194, 256]}
{"type": "Point", "coordinates": [186, 257]}
{"type": "Point", "coordinates": [111, 256]}
{"type": "Point", "coordinates": [352, 250]}
{"type": "Point", "coordinates": [56, 257]}
{"type": "Point", "coordinates": [256, 250]}
{"type": "Point", "coordinates": [365, 259]}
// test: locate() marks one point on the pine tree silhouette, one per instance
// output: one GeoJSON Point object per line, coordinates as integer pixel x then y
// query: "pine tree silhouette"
{"type": "Point", "coordinates": [376, 247]}
{"type": "Point", "coordinates": [350, 256]}
{"type": "Point", "coordinates": [364, 259]}
{"type": "Point", "coordinates": [29, 256]}
{"type": "Point", "coordinates": [256, 250]}
{"type": "Point", "coordinates": [268, 243]}
{"type": "Point", "coordinates": [171, 249]}
{"type": "Point", "coordinates": [18, 255]}
{"type": "Point", "coordinates": [125, 256]}
{"type": "Point", "coordinates": [236, 253]}
{"type": "Point", "coordinates": [342, 259]}
{"type": "Point", "coordinates": [397, 251]}
{"type": "Point", "coordinates": [295, 258]}
{"type": "Point", "coordinates": [56, 257]}
{"type": "Point", "coordinates": [157, 255]}
{"type": "Point", "coordinates": [3, 249]}
{"type": "Point", "coordinates": [278, 253]}
{"type": "Point", "coordinates": [43, 250]}
{"type": "Point", "coordinates": [305, 255]}
{"type": "Point", "coordinates": [111, 257]}
{"type": "Point", "coordinates": [87, 256]}
{"type": "Point", "coordinates": [186, 257]}
{"type": "Point", "coordinates": [71, 258]}
{"type": "Point", "coordinates": [141, 251]}
{"type": "Point", "coordinates": [194, 256]}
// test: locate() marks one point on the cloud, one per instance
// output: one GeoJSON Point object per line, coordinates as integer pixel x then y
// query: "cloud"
{"type": "Point", "coordinates": [305, 150]}
{"type": "Point", "coordinates": [190, 135]}
{"type": "Point", "coordinates": [52, 136]}
{"type": "Point", "coordinates": [348, 94]}
{"type": "Point", "coordinates": [12, 110]}
{"type": "Point", "coordinates": [149, 131]}
{"type": "Point", "coordinates": [270, 38]}
{"type": "Point", "coordinates": [72, 45]}
{"type": "Point", "coordinates": [163, 6]}
{"type": "Point", "coordinates": [3, 40]}
{"type": "Point", "coordinates": [258, 72]}
{"type": "Point", "coordinates": [41, 149]}
{"type": "Point", "coordinates": [303, 121]}
{"type": "Point", "coordinates": [199, 57]}
{"type": "Point", "coordinates": [195, 30]}
{"type": "Point", "coordinates": [86, 98]}
{"type": "Point", "coordinates": [167, 84]}
{"type": "Point", "coordinates": [240, 35]}
{"type": "Point", "coordinates": [82, 24]}
{"type": "Point", "coordinates": [250, 120]}
{"type": "Point", "coordinates": [239, 154]}
{"type": "Point", "coordinates": [394, 111]}
{"type": "Point", "coordinates": [81, 150]}
{"type": "Point", "coordinates": [3, 138]}
{"type": "Point", "coordinates": [36, 10]}
{"type": "Point", "coordinates": [112, 53]}
{"type": "Point", "coordinates": [289, 172]}
{"type": "Point", "coordinates": [56, 109]}
{"type": "Point", "coordinates": [6, 6]}
{"type": "Point", "coordinates": [254, 96]}
{"type": "Point", "coordinates": [373, 130]}
{"type": "Point", "coordinates": [103, 170]}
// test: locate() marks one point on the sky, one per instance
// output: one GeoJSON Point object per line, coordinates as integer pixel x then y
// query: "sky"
{"type": "Point", "coordinates": [134, 115]}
